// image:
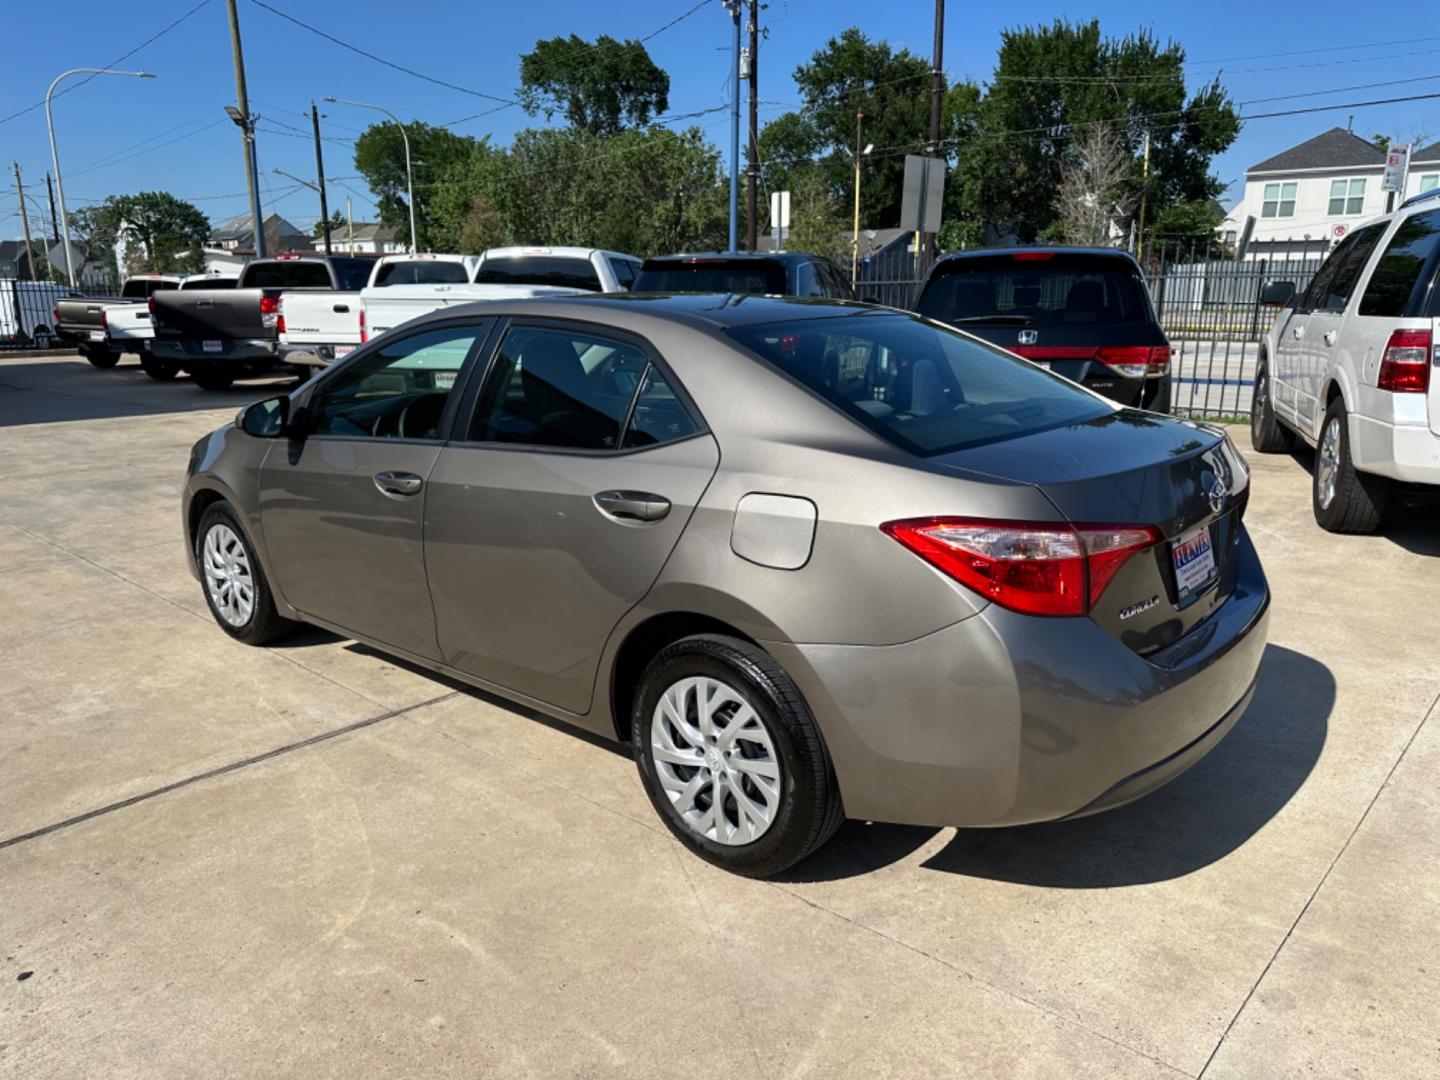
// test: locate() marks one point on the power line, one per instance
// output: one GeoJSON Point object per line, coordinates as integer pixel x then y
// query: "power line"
{"type": "Point", "coordinates": [118, 60]}
{"type": "Point", "coordinates": [1311, 52]}
{"type": "Point", "coordinates": [151, 149]}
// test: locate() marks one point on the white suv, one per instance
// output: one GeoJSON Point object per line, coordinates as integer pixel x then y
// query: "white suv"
{"type": "Point", "coordinates": [1349, 367]}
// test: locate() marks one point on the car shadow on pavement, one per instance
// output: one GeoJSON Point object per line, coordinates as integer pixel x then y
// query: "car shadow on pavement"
{"type": "Point", "coordinates": [1412, 515]}
{"type": "Point", "coordinates": [1199, 818]}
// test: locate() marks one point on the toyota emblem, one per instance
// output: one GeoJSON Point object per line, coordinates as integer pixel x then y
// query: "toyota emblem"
{"type": "Point", "coordinates": [1217, 495]}
{"type": "Point", "coordinates": [1028, 337]}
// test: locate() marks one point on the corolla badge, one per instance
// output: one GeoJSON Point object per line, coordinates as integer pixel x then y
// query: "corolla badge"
{"type": "Point", "coordinates": [1135, 609]}
{"type": "Point", "coordinates": [1028, 337]}
{"type": "Point", "coordinates": [1217, 493]}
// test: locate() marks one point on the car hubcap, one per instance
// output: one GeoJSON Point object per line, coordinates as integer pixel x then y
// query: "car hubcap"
{"type": "Point", "coordinates": [715, 761]}
{"type": "Point", "coordinates": [1257, 405]}
{"type": "Point", "coordinates": [1328, 467]}
{"type": "Point", "coordinates": [227, 575]}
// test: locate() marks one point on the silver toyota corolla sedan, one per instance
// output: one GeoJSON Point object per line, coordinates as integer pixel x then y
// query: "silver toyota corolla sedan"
{"type": "Point", "coordinates": [810, 559]}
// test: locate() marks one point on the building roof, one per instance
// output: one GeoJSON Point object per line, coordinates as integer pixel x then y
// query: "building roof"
{"type": "Point", "coordinates": [364, 230]}
{"type": "Point", "coordinates": [1333, 149]}
{"type": "Point", "coordinates": [1429, 154]}
{"type": "Point", "coordinates": [238, 229]}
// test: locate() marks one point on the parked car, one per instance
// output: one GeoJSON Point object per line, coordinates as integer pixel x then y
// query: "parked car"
{"type": "Point", "coordinates": [316, 326]}
{"type": "Point", "coordinates": [808, 560]}
{"type": "Point", "coordinates": [1082, 312]}
{"type": "Point", "coordinates": [221, 335]}
{"type": "Point", "coordinates": [128, 327]}
{"type": "Point", "coordinates": [27, 311]}
{"type": "Point", "coordinates": [587, 269]}
{"type": "Point", "coordinates": [81, 320]}
{"type": "Point", "coordinates": [1348, 367]}
{"type": "Point", "coordinates": [773, 273]}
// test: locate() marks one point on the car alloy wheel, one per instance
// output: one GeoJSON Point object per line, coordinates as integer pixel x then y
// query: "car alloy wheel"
{"type": "Point", "coordinates": [1327, 463]}
{"type": "Point", "coordinates": [715, 760]}
{"type": "Point", "coordinates": [227, 575]}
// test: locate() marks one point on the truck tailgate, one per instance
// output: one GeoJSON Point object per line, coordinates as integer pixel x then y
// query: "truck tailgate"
{"type": "Point", "coordinates": [200, 314]}
{"type": "Point", "coordinates": [320, 318]}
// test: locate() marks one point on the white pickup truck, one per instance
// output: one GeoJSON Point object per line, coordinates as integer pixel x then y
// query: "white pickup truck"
{"type": "Point", "coordinates": [318, 327]}
{"type": "Point", "coordinates": [586, 269]}
{"type": "Point", "coordinates": [128, 328]}
{"type": "Point", "coordinates": [1350, 367]}
{"type": "Point", "coordinates": [385, 309]}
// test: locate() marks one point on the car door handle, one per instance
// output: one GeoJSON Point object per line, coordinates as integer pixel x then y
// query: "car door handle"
{"type": "Point", "coordinates": [398, 484]}
{"type": "Point", "coordinates": [632, 505]}
{"type": "Point", "coordinates": [1330, 336]}
{"type": "Point", "coordinates": [1299, 332]}
{"type": "Point", "coordinates": [340, 309]}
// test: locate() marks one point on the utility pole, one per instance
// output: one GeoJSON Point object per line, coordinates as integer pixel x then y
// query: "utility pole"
{"type": "Point", "coordinates": [937, 88]}
{"type": "Point", "coordinates": [320, 175]}
{"type": "Point", "coordinates": [349, 225]}
{"type": "Point", "coordinates": [1144, 191]}
{"type": "Point", "coordinates": [734, 7]}
{"type": "Point", "coordinates": [855, 236]}
{"type": "Point", "coordinates": [24, 220]}
{"type": "Point", "coordinates": [752, 219]}
{"type": "Point", "coordinates": [54, 221]}
{"type": "Point", "coordinates": [247, 128]}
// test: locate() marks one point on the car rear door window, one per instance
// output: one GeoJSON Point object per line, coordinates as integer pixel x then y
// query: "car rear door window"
{"type": "Point", "coordinates": [1401, 270]}
{"type": "Point", "coordinates": [559, 388]}
{"type": "Point", "coordinates": [659, 416]}
{"type": "Point", "coordinates": [400, 390]}
{"type": "Point", "coordinates": [1361, 243]}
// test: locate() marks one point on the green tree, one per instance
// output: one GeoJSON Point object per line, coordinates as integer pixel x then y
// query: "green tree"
{"type": "Point", "coordinates": [1053, 82]}
{"type": "Point", "coordinates": [95, 230]}
{"type": "Point", "coordinates": [599, 87]}
{"type": "Point", "coordinates": [818, 222]}
{"type": "Point", "coordinates": [337, 224]}
{"type": "Point", "coordinates": [163, 233]}
{"type": "Point", "coordinates": [1188, 223]}
{"type": "Point", "coordinates": [380, 159]}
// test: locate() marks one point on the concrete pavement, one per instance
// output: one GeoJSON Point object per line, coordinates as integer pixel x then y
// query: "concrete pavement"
{"type": "Point", "coordinates": [313, 861]}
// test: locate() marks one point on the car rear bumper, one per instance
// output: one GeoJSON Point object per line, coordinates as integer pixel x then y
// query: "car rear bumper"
{"type": "Point", "coordinates": [314, 355]}
{"type": "Point", "coordinates": [1005, 719]}
{"type": "Point", "coordinates": [1406, 452]}
{"type": "Point", "coordinates": [230, 350]}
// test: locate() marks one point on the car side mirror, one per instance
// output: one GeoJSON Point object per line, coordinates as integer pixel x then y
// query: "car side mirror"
{"type": "Point", "coordinates": [1278, 294]}
{"type": "Point", "coordinates": [267, 419]}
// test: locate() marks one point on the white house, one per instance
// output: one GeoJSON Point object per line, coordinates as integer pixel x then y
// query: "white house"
{"type": "Point", "coordinates": [1311, 195]}
{"type": "Point", "coordinates": [369, 239]}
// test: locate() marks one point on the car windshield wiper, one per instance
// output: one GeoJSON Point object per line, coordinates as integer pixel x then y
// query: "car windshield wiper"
{"type": "Point", "coordinates": [1020, 320]}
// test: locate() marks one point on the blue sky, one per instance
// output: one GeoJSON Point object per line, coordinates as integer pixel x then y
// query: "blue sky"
{"type": "Point", "coordinates": [122, 135]}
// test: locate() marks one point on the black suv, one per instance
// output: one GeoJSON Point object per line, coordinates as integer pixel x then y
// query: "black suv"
{"type": "Point", "coordinates": [777, 273]}
{"type": "Point", "coordinates": [1083, 312]}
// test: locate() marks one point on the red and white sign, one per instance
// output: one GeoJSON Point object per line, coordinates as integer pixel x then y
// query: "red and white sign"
{"type": "Point", "coordinates": [1397, 163]}
{"type": "Point", "coordinates": [1337, 232]}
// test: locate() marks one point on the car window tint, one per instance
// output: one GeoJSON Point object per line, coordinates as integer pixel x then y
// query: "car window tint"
{"type": "Point", "coordinates": [1399, 270]}
{"type": "Point", "coordinates": [717, 275]}
{"type": "Point", "coordinates": [400, 390]}
{"type": "Point", "coordinates": [285, 274]}
{"type": "Point", "coordinates": [353, 274]}
{"type": "Point", "coordinates": [559, 388]}
{"type": "Point", "coordinates": [807, 282]}
{"type": "Point", "coordinates": [925, 388]}
{"type": "Point", "coordinates": [624, 271]}
{"type": "Point", "coordinates": [421, 272]}
{"type": "Point", "coordinates": [1325, 276]}
{"type": "Point", "coordinates": [659, 415]}
{"type": "Point", "coordinates": [1057, 291]}
{"type": "Point", "coordinates": [1347, 273]}
{"type": "Point", "coordinates": [567, 271]}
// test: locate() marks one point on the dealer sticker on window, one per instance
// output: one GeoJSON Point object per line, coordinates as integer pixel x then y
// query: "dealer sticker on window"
{"type": "Point", "coordinates": [1194, 561]}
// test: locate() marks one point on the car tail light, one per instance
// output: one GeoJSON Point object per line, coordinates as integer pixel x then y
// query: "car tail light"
{"type": "Point", "coordinates": [104, 320]}
{"type": "Point", "coordinates": [1039, 568]}
{"type": "Point", "coordinates": [364, 337]}
{"type": "Point", "coordinates": [1136, 361]}
{"type": "Point", "coordinates": [1033, 256]}
{"type": "Point", "coordinates": [1405, 365]}
{"type": "Point", "coordinates": [269, 310]}
{"type": "Point", "coordinates": [279, 314]}
{"type": "Point", "coordinates": [150, 306]}
{"type": "Point", "coordinates": [55, 314]}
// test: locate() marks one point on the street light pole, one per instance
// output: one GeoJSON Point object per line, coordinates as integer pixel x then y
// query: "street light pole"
{"type": "Point", "coordinates": [855, 236]}
{"type": "Point", "coordinates": [734, 6]}
{"type": "Point", "coordinates": [409, 177]}
{"type": "Point", "coordinates": [55, 154]}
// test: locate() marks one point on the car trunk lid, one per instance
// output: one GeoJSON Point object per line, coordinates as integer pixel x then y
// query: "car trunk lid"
{"type": "Point", "coordinates": [1135, 468]}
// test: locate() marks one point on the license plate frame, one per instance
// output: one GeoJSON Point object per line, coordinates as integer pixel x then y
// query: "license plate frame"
{"type": "Point", "coordinates": [212, 345]}
{"type": "Point", "coordinates": [1193, 557]}
{"type": "Point", "coordinates": [97, 335]}
{"type": "Point", "coordinates": [343, 350]}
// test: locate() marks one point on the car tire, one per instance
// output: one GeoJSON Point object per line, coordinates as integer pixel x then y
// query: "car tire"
{"type": "Point", "coordinates": [233, 580]}
{"type": "Point", "coordinates": [1267, 434]}
{"type": "Point", "coordinates": [158, 369]}
{"type": "Point", "coordinates": [211, 377]}
{"type": "Point", "coordinates": [1345, 500]}
{"type": "Point", "coordinates": [101, 358]}
{"type": "Point", "coordinates": [787, 777]}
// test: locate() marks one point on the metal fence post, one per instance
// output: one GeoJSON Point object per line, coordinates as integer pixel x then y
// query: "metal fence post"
{"type": "Point", "coordinates": [1259, 290]}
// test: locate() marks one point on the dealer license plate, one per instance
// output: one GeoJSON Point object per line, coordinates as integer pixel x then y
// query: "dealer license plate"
{"type": "Point", "coordinates": [97, 335]}
{"type": "Point", "coordinates": [343, 350]}
{"type": "Point", "coordinates": [211, 346]}
{"type": "Point", "coordinates": [1194, 562]}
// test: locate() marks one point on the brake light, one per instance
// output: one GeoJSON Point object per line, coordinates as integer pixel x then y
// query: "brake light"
{"type": "Point", "coordinates": [364, 337]}
{"type": "Point", "coordinates": [279, 315]}
{"type": "Point", "coordinates": [1033, 256]}
{"type": "Point", "coordinates": [1405, 365]}
{"type": "Point", "coordinates": [104, 320]}
{"type": "Point", "coordinates": [1038, 568]}
{"type": "Point", "coordinates": [150, 306]}
{"type": "Point", "coordinates": [55, 314]}
{"type": "Point", "coordinates": [1136, 361]}
{"type": "Point", "coordinates": [269, 311]}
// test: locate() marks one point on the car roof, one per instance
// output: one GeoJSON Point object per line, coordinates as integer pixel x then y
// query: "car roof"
{"type": "Point", "coordinates": [562, 252]}
{"type": "Point", "coordinates": [789, 258]}
{"type": "Point", "coordinates": [708, 311]}
{"type": "Point", "coordinates": [1118, 254]}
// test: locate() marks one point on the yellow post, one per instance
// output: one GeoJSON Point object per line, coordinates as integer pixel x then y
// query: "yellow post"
{"type": "Point", "coordinates": [855, 235]}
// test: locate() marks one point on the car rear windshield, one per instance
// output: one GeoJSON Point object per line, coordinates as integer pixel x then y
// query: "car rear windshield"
{"type": "Point", "coordinates": [712, 276]}
{"type": "Point", "coordinates": [421, 272]}
{"type": "Point", "coordinates": [284, 274]}
{"type": "Point", "coordinates": [208, 283]}
{"type": "Point", "coordinates": [140, 288]}
{"type": "Point", "coordinates": [1035, 290]}
{"type": "Point", "coordinates": [922, 387]}
{"type": "Point", "coordinates": [567, 271]}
